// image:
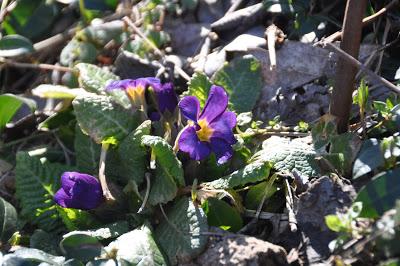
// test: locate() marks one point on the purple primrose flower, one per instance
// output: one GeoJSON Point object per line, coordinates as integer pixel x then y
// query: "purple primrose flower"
{"type": "Point", "coordinates": [210, 130]}
{"type": "Point", "coordinates": [79, 191]}
{"type": "Point", "coordinates": [136, 89]}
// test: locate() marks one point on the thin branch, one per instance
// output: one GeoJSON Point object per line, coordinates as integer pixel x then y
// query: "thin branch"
{"type": "Point", "coordinates": [338, 35]}
{"type": "Point", "coordinates": [5, 10]}
{"type": "Point", "coordinates": [289, 207]}
{"type": "Point", "coordinates": [362, 67]}
{"type": "Point", "coordinates": [157, 51]}
{"type": "Point", "coordinates": [8, 62]}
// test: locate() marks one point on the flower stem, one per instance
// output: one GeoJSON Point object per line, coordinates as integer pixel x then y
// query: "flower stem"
{"type": "Point", "coordinates": [102, 177]}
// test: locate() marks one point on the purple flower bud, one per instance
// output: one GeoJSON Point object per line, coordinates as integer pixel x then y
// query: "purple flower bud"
{"type": "Point", "coordinates": [79, 191]}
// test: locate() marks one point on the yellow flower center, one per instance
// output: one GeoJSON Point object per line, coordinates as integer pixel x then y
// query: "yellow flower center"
{"type": "Point", "coordinates": [137, 95]}
{"type": "Point", "coordinates": [205, 132]}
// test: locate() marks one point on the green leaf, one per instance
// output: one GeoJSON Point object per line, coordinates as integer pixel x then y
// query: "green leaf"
{"type": "Point", "coordinates": [56, 91]}
{"type": "Point", "coordinates": [133, 155]}
{"type": "Point", "coordinates": [136, 248]}
{"type": "Point", "coordinates": [221, 214]}
{"type": "Point", "coordinates": [181, 236]}
{"type": "Point", "coordinates": [256, 193]}
{"type": "Point", "coordinates": [369, 158]}
{"type": "Point", "coordinates": [44, 241]}
{"type": "Point", "coordinates": [100, 118]}
{"type": "Point", "coordinates": [31, 256]}
{"type": "Point", "coordinates": [80, 246]}
{"type": "Point", "coordinates": [78, 52]}
{"type": "Point", "coordinates": [75, 219]}
{"type": "Point", "coordinates": [9, 105]}
{"type": "Point", "coordinates": [380, 194]}
{"type": "Point", "coordinates": [242, 80]}
{"type": "Point", "coordinates": [93, 78]}
{"type": "Point", "coordinates": [287, 155]}
{"type": "Point", "coordinates": [15, 45]}
{"type": "Point", "coordinates": [168, 172]}
{"type": "Point", "coordinates": [334, 223]}
{"type": "Point", "coordinates": [87, 153]}
{"type": "Point", "coordinates": [36, 182]}
{"type": "Point", "coordinates": [199, 86]}
{"type": "Point", "coordinates": [344, 146]}
{"type": "Point", "coordinates": [108, 231]}
{"type": "Point", "coordinates": [8, 220]}
{"type": "Point", "coordinates": [251, 173]}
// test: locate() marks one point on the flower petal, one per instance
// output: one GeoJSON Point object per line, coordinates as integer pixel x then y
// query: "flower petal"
{"type": "Point", "coordinates": [68, 180]}
{"type": "Point", "coordinates": [223, 125]}
{"type": "Point", "coordinates": [60, 197]}
{"type": "Point", "coordinates": [222, 150]}
{"type": "Point", "coordinates": [190, 107]}
{"type": "Point", "coordinates": [190, 143]}
{"type": "Point", "coordinates": [120, 84]}
{"type": "Point", "coordinates": [166, 97]}
{"type": "Point", "coordinates": [216, 104]}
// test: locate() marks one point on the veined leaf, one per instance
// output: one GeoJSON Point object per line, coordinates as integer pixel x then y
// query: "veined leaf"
{"type": "Point", "coordinates": [93, 78]}
{"type": "Point", "coordinates": [242, 80]}
{"type": "Point", "coordinates": [81, 246]}
{"type": "Point", "coordinates": [15, 45]}
{"type": "Point", "coordinates": [199, 86]}
{"type": "Point", "coordinates": [56, 91]}
{"type": "Point", "coordinates": [380, 194]}
{"type": "Point", "coordinates": [78, 52]}
{"type": "Point", "coordinates": [181, 236]}
{"type": "Point", "coordinates": [168, 173]}
{"type": "Point", "coordinates": [251, 173]}
{"type": "Point", "coordinates": [136, 248]}
{"type": "Point", "coordinates": [221, 214]}
{"type": "Point", "coordinates": [87, 153]}
{"type": "Point", "coordinates": [133, 155]}
{"type": "Point", "coordinates": [9, 105]}
{"type": "Point", "coordinates": [36, 183]}
{"type": "Point", "coordinates": [8, 220]}
{"type": "Point", "coordinates": [100, 118]}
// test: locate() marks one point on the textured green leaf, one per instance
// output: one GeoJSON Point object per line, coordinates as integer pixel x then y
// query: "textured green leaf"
{"type": "Point", "coordinates": [31, 256]}
{"type": "Point", "coordinates": [93, 78]}
{"type": "Point", "coordinates": [36, 182]}
{"type": "Point", "coordinates": [199, 85]}
{"type": "Point", "coordinates": [108, 231]}
{"type": "Point", "coordinates": [78, 52]}
{"type": "Point", "coordinates": [136, 248]}
{"type": "Point", "coordinates": [9, 105]}
{"type": "Point", "coordinates": [168, 173]}
{"type": "Point", "coordinates": [380, 194]}
{"type": "Point", "coordinates": [87, 153]}
{"type": "Point", "coordinates": [8, 220]}
{"type": "Point", "coordinates": [133, 154]}
{"type": "Point", "coordinates": [256, 193]}
{"type": "Point", "coordinates": [75, 219]}
{"type": "Point", "coordinates": [101, 34]}
{"type": "Point", "coordinates": [100, 118]}
{"type": "Point", "coordinates": [251, 173]}
{"type": "Point", "coordinates": [81, 246]}
{"type": "Point", "coordinates": [288, 154]}
{"type": "Point", "coordinates": [221, 214]}
{"type": "Point", "coordinates": [369, 158]}
{"type": "Point", "coordinates": [242, 80]}
{"type": "Point", "coordinates": [346, 147]}
{"type": "Point", "coordinates": [44, 241]}
{"type": "Point", "coordinates": [56, 91]}
{"type": "Point", "coordinates": [181, 236]}
{"type": "Point", "coordinates": [15, 45]}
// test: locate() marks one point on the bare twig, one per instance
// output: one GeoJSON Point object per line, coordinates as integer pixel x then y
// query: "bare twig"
{"type": "Point", "coordinates": [338, 35]}
{"type": "Point", "coordinates": [384, 38]}
{"type": "Point", "coordinates": [363, 68]}
{"type": "Point", "coordinates": [35, 66]}
{"type": "Point", "coordinates": [6, 9]}
{"type": "Point", "coordinates": [158, 52]}
{"type": "Point", "coordinates": [271, 33]}
{"type": "Point", "coordinates": [289, 207]}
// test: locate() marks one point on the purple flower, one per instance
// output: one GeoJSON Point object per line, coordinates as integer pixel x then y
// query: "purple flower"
{"type": "Point", "coordinates": [210, 130]}
{"type": "Point", "coordinates": [79, 191]}
{"type": "Point", "coordinates": [136, 89]}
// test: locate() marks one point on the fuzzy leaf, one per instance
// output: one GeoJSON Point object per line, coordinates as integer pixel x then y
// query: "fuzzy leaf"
{"type": "Point", "coordinates": [242, 80]}
{"type": "Point", "coordinates": [251, 173]}
{"type": "Point", "coordinates": [168, 172]}
{"type": "Point", "coordinates": [93, 78]}
{"type": "Point", "coordinates": [221, 214]}
{"type": "Point", "coordinates": [36, 183]}
{"type": "Point", "coordinates": [288, 154]}
{"type": "Point", "coordinates": [100, 118]}
{"type": "Point", "coordinates": [133, 155]}
{"type": "Point", "coordinates": [187, 242]}
{"type": "Point", "coordinates": [199, 86]}
{"type": "Point", "coordinates": [136, 248]}
{"type": "Point", "coordinates": [78, 52]}
{"type": "Point", "coordinates": [31, 256]}
{"type": "Point", "coordinates": [15, 45]}
{"type": "Point", "coordinates": [8, 220]}
{"type": "Point", "coordinates": [81, 246]}
{"type": "Point", "coordinates": [87, 153]}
